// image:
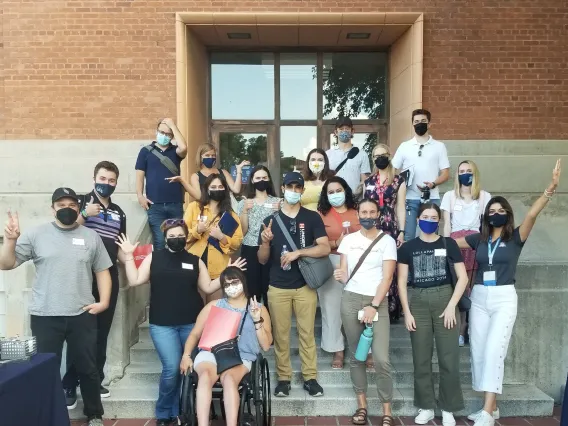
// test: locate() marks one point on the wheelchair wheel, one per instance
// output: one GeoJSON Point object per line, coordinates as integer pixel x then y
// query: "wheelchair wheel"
{"type": "Point", "coordinates": [187, 405]}
{"type": "Point", "coordinates": [261, 393]}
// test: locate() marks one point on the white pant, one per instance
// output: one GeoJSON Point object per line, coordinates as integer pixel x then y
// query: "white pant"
{"type": "Point", "coordinates": [491, 320]}
{"type": "Point", "coordinates": [330, 303]}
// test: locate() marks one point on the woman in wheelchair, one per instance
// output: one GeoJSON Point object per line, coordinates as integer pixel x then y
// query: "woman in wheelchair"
{"type": "Point", "coordinates": [256, 335]}
{"type": "Point", "coordinates": [175, 276]}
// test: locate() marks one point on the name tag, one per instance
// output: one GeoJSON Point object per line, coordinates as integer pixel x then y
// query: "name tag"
{"type": "Point", "coordinates": [271, 205]}
{"type": "Point", "coordinates": [458, 208]}
{"type": "Point", "coordinates": [370, 187]}
{"type": "Point", "coordinates": [78, 242]}
{"type": "Point", "coordinates": [187, 266]}
{"type": "Point", "coordinates": [346, 224]}
{"type": "Point", "coordinates": [489, 278]}
{"type": "Point", "coordinates": [440, 252]}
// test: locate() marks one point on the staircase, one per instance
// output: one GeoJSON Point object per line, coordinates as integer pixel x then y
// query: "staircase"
{"type": "Point", "coordinates": [135, 394]}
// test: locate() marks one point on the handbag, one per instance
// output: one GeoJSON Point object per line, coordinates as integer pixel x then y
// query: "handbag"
{"type": "Point", "coordinates": [227, 353]}
{"type": "Point", "coordinates": [364, 255]}
{"type": "Point", "coordinates": [315, 270]}
{"type": "Point", "coordinates": [464, 303]}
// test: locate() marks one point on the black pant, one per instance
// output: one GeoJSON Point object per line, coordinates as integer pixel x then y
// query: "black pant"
{"type": "Point", "coordinates": [80, 333]}
{"type": "Point", "coordinates": [257, 274]}
{"type": "Point", "coordinates": [104, 322]}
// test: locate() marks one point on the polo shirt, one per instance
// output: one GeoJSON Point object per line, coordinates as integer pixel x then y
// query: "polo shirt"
{"type": "Point", "coordinates": [352, 169]}
{"type": "Point", "coordinates": [423, 168]}
{"type": "Point", "coordinates": [158, 189]}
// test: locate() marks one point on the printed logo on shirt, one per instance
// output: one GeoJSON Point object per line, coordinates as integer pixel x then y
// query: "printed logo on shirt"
{"type": "Point", "coordinates": [428, 267]}
{"type": "Point", "coordinates": [302, 235]}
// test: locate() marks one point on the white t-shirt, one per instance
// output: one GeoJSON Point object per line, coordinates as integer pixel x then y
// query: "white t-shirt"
{"type": "Point", "coordinates": [370, 274]}
{"type": "Point", "coordinates": [423, 168]}
{"type": "Point", "coordinates": [352, 169]}
{"type": "Point", "coordinates": [465, 216]}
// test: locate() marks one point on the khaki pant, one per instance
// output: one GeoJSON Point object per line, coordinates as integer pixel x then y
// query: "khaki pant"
{"type": "Point", "coordinates": [303, 301]}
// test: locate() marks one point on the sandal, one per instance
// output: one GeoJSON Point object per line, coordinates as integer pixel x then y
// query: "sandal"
{"type": "Point", "coordinates": [337, 361]}
{"type": "Point", "coordinates": [388, 421]}
{"type": "Point", "coordinates": [370, 363]}
{"type": "Point", "coordinates": [360, 417]}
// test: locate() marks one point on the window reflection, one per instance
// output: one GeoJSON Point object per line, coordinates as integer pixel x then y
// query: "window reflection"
{"type": "Point", "coordinates": [298, 86]}
{"type": "Point", "coordinates": [295, 143]}
{"type": "Point", "coordinates": [236, 147]}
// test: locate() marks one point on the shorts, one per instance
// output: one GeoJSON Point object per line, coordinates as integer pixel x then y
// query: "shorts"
{"type": "Point", "coordinates": [206, 356]}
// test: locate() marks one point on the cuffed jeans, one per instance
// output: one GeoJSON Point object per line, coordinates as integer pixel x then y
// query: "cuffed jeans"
{"type": "Point", "coordinates": [159, 212]}
{"type": "Point", "coordinates": [412, 208]}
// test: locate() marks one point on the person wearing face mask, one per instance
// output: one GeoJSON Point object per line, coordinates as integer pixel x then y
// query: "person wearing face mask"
{"type": "Point", "coordinates": [348, 161]}
{"type": "Point", "coordinates": [287, 289]}
{"type": "Point", "coordinates": [316, 172]}
{"type": "Point", "coordinates": [424, 161]}
{"type": "Point", "coordinates": [463, 208]}
{"type": "Point", "coordinates": [368, 260]}
{"type": "Point", "coordinates": [156, 163]}
{"type": "Point", "coordinates": [338, 211]}
{"type": "Point", "coordinates": [175, 277]}
{"type": "Point", "coordinates": [256, 336]}
{"type": "Point", "coordinates": [260, 202]}
{"type": "Point", "coordinates": [99, 213]}
{"type": "Point", "coordinates": [66, 255]}
{"type": "Point", "coordinates": [430, 310]}
{"type": "Point", "coordinates": [494, 298]}
{"type": "Point", "coordinates": [203, 218]}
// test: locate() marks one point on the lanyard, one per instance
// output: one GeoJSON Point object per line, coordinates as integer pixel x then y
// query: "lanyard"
{"type": "Point", "coordinates": [491, 252]}
{"type": "Point", "coordinates": [381, 190]}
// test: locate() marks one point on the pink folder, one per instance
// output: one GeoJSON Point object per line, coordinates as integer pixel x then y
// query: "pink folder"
{"type": "Point", "coordinates": [221, 325]}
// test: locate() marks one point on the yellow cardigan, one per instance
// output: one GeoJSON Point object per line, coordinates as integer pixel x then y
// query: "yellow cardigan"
{"type": "Point", "coordinates": [197, 243]}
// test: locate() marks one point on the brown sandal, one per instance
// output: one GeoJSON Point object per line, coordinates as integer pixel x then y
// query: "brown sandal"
{"type": "Point", "coordinates": [388, 421]}
{"type": "Point", "coordinates": [360, 417]}
{"type": "Point", "coordinates": [337, 361]}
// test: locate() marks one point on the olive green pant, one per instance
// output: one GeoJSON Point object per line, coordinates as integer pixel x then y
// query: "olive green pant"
{"type": "Point", "coordinates": [426, 306]}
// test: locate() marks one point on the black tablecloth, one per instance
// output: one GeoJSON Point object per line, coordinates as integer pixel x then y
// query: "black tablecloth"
{"type": "Point", "coordinates": [31, 393]}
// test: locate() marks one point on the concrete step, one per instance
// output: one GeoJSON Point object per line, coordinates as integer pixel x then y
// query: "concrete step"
{"type": "Point", "coordinates": [517, 400]}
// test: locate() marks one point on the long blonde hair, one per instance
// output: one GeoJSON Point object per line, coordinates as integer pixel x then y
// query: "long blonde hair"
{"type": "Point", "coordinates": [475, 184]}
{"type": "Point", "coordinates": [390, 168]}
{"type": "Point", "coordinates": [202, 149]}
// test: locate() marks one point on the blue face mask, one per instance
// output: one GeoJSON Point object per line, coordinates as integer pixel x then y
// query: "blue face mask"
{"type": "Point", "coordinates": [337, 199]}
{"type": "Point", "coordinates": [466, 179]}
{"type": "Point", "coordinates": [292, 197]}
{"type": "Point", "coordinates": [209, 162]}
{"type": "Point", "coordinates": [344, 136]}
{"type": "Point", "coordinates": [162, 140]}
{"type": "Point", "coordinates": [427, 226]}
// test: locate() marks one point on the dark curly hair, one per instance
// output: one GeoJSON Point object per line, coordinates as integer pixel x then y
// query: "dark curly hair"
{"type": "Point", "coordinates": [225, 204]}
{"type": "Point", "coordinates": [323, 204]}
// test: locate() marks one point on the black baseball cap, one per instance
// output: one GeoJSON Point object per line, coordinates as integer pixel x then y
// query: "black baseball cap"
{"type": "Point", "coordinates": [343, 121]}
{"type": "Point", "coordinates": [293, 177]}
{"type": "Point", "coordinates": [60, 193]}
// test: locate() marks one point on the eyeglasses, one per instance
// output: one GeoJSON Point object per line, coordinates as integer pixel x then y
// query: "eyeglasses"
{"type": "Point", "coordinates": [174, 222]}
{"type": "Point", "coordinates": [420, 150]}
{"type": "Point", "coordinates": [380, 156]}
{"type": "Point", "coordinates": [293, 226]}
{"type": "Point", "coordinates": [165, 134]}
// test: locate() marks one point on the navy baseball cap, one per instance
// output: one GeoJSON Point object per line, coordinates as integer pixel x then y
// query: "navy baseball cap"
{"type": "Point", "coordinates": [293, 177]}
{"type": "Point", "coordinates": [60, 193]}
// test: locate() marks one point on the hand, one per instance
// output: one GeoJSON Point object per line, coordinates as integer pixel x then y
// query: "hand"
{"type": "Point", "coordinates": [186, 364]}
{"type": "Point", "coordinates": [267, 234]}
{"type": "Point", "coordinates": [242, 163]}
{"type": "Point", "coordinates": [428, 184]}
{"type": "Point", "coordinates": [144, 202]}
{"type": "Point", "coordinates": [249, 204]}
{"type": "Point", "coordinates": [288, 258]}
{"type": "Point", "coordinates": [175, 179]}
{"type": "Point", "coordinates": [409, 322]}
{"type": "Point", "coordinates": [555, 176]}
{"type": "Point", "coordinates": [125, 245]}
{"type": "Point", "coordinates": [201, 226]}
{"type": "Point", "coordinates": [92, 209]}
{"type": "Point", "coordinates": [449, 316]}
{"type": "Point", "coordinates": [12, 228]}
{"type": "Point", "coordinates": [216, 233]}
{"type": "Point", "coordinates": [239, 263]}
{"type": "Point", "coordinates": [400, 239]}
{"type": "Point", "coordinates": [340, 275]}
{"type": "Point", "coordinates": [368, 314]}
{"type": "Point", "coordinates": [169, 122]}
{"type": "Point", "coordinates": [95, 308]}
{"type": "Point", "coordinates": [254, 309]}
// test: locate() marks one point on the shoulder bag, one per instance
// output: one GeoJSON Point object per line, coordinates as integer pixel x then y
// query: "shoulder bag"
{"type": "Point", "coordinates": [166, 162]}
{"type": "Point", "coordinates": [464, 303]}
{"type": "Point", "coordinates": [227, 353]}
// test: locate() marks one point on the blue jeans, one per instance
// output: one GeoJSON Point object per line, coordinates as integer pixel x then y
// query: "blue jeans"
{"type": "Point", "coordinates": [412, 207]}
{"type": "Point", "coordinates": [159, 212]}
{"type": "Point", "coordinates": [169, 342]}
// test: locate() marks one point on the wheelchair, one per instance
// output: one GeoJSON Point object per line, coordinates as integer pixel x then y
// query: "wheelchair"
{"type": "Point", "coordinates": [254, 391]}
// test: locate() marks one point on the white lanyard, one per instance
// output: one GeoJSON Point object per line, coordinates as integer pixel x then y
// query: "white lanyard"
{"type": "Point", "coordinates": [491, 252]}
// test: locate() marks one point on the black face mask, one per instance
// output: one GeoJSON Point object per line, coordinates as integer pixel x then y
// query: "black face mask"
{"type": "Point", "coordinates": [421, 128]}
{"type": "Point", "coordinates": [382, 162]}
{"type": "Point", "coordinates": [105, 190]}
{"type": "Point", "coordinates": [217, 194]}
{"type": "Point", "coordinates": [368, 223]}
{"type": "Point", "coordinates": [261, 185]}
{"type": "Point", "coordinates": [498, 220]}
{"type": "Point", "coordinates": [176, 244]}
{"type": "Point", "coordinates": [67, 215]}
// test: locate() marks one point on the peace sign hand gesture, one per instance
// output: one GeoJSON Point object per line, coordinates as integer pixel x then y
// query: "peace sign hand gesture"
{"type": "Point", "coordinates": [254, 309]}
{"type": "Point", "coordinates": [12, 228]}
{"type": "Point", "coordinates": [267, 234]}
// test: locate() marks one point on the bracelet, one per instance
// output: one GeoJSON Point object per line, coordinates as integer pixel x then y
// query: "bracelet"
{"type": "Point", "coordinates": [260, 321]}
{"type": "Point", "coordinates": [84, 214]}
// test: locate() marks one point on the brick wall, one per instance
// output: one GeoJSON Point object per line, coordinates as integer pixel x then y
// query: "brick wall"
{"type": "Point", "coordinates": [106, 69]}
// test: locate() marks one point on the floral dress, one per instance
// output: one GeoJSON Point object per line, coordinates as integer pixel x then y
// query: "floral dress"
{"type": "Point", "coordinates": [386, 196]}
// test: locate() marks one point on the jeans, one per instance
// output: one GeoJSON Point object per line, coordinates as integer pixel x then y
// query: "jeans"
{"type": "Point", "coordinates": [412, 207]}
{"type": "Point", "coordinates": [80, 333]}
{"type": "Point", "coordinates": [159, 212]}
{"type": "Point", "coordinates": [169, 342]}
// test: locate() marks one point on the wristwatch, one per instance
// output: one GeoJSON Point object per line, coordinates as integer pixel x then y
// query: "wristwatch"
{"type": "Point", "coordinates": [376, 307]}
{"type": "Point", "coordinates": [433, 185]}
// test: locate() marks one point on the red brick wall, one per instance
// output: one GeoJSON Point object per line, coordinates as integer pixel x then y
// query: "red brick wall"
{"type": "Point", "coordinates": [106, 69]}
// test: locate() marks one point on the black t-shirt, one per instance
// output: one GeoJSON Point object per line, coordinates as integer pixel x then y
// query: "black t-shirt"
{"type": "Point", "coordinates": [505, 259]}
{"type": "Point", "coordinates": [309, 227]}
{"type": "Point", "coordinates": [174, 299]}
{"type": "Point", "coordinates": [427, 262]}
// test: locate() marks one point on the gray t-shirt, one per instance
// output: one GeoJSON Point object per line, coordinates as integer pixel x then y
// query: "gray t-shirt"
{"type": "Point", "coordinates": [505, 259]}
{"type": "Point", "coordinates": [65, 260]}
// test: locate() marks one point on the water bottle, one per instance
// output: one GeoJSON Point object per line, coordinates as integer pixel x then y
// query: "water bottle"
{"type": "Point", "coordinates": [284, 251]}
{"type": "Point", "coordinates": [364, 343]}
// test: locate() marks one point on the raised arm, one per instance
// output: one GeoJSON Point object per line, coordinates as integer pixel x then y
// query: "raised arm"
{"type": "Point", "coordinates": [181, 149]}
{"type": "Point", "coordinates": [11, 234]}
{"type": "Point", "coordinates": [135, 276]}
{"type": "Point", "coordinates": [265, 238]}
{"type": "Point", "coordinates": [209, 286]}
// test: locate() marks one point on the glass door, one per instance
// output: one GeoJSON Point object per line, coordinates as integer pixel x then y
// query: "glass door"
{"type": "Point", "coordinates": [366, 136]}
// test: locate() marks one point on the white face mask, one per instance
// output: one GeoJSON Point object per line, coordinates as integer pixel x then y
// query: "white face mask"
{"type": "Point", "coordinates": [316, 166]}
{"type": "Point", "coordinates": [234, 290]}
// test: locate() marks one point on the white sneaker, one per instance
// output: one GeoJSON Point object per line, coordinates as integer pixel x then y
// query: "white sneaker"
{"type": "Point", "coordinates": [448, 419]}
{"type": "Point", "coordinates": [474, 416]}
{"type": "Point", "coordinates": [461, 341]}
{"type": "Point", "coordinates": [484, 419]}
{"type": "Point", "coordinates": [424, 416]}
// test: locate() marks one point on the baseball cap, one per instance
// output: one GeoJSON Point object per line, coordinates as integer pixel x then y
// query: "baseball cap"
{"type": "Point", "coordinates": [293, 177]}
{"type": "Point", "coordinates": [60, 193]}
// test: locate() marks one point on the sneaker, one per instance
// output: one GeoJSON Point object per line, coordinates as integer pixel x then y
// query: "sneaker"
{"type": "Point", "coordinates": [282, 388]}
{"type": "Point", "coordinates": [484, 419]}
{"type": "Point", "coordinates": [96, 421]}
{"type": "Point", "coordinates": [461, 341]}
{"type": "Point", "coordinates": [105, 393]}
{"type": "Point", "coordinates": [71, 398]}
{"type": "Point", "coordinates": [473, 417]}
{"type": "Point", "coordinates": [448, 419]}
{"type": "Point", "coordinates": [424, 416]}
{"type": "Point", "coordinates": [313, 387]}
{"type": "Point", "coordinates": [163, 422]}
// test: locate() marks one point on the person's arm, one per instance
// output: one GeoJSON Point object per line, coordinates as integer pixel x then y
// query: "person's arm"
{"type": "Point", "coordinates": [209, 286]}
{"type": "Point", "coordinates": [401, 211]}
{"type": "Point", "coordinates": [447, 223]}
{"type": "Point", "coordinates": [194, 189]}
{"type": "Point", "coordinates": [321, 249]}
{"type": "Point", "coordinates": [137, 276]}
{"type": "Point", "coordinates": [104, 286]}
{"type": "Point", "coordinates": [402, 273]}
{"type": "Point", "coordinates": [243, 211]}
{"type": "Point", "coordinates": [444, 166]}
{"type": "Point", "coordinates": [264, 240]}
{"type": "Point", "coordinates": [234, 186]}
{"type": "Point", "coordinates": [469, 241]}
{"type": "Point", "coordinates": [193, 221]}
{"type": "Point", "coordinates": [14, 252]}
{"type": "Point", "coordinates": [453, 253]}
{"type": "Point", "coordinates": [8, 255]}
{"type": "Point", "coordinates": [264, 330]}
{"type": "Point", "coordinates": [142, 200]}
{"type": "Point", "coordinates": [193, 338]}
{"type": "Point", "coordinates": [181, 149]}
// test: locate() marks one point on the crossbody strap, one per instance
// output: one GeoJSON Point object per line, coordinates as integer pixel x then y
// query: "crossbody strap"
{"type": "Point", "coordinates": [244, 318]}
{"type": "Point", "coordinates": [338, 168]}
{"type": "Point", "coordinates": [166, 162]}
{"type": "Point", "coordinates": [364, 255]}
{"type": "Point", "coordinates": [285, 231]}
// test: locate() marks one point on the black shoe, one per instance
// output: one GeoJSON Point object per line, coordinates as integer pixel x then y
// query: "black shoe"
{"type": "Point", "coordinates": [71, 398]}
{"type": "Point", "coordinates": [282, 388]}
{"type": "Point", "coordinates": [163, 422]}
{"type": "Point", "coordinates": [313, 387]}
{"type": "Point", "coordinates": [105, 393]}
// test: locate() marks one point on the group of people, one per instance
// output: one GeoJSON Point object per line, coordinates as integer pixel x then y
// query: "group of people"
{"type": "Point", "coordinates": [379, 229]}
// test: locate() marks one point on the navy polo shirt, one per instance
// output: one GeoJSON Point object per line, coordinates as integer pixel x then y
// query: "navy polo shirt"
{"type": "Point", "coordinates": [158, 189]}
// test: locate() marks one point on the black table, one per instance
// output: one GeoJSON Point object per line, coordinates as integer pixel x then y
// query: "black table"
{"type": "Point", "coordinates": [31, 393]}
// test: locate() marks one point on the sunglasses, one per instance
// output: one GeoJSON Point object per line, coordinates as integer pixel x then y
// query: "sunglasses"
{"type": "Point", "coordinates": [293, 226]}
{"type": "Point", "coordinates": [420, 150]}
{"type": "Point", "coordinates": [174, 222]}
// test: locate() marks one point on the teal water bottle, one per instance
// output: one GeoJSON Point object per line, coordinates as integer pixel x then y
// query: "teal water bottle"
{"type": "Point", "coordinates": [364, 343]}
